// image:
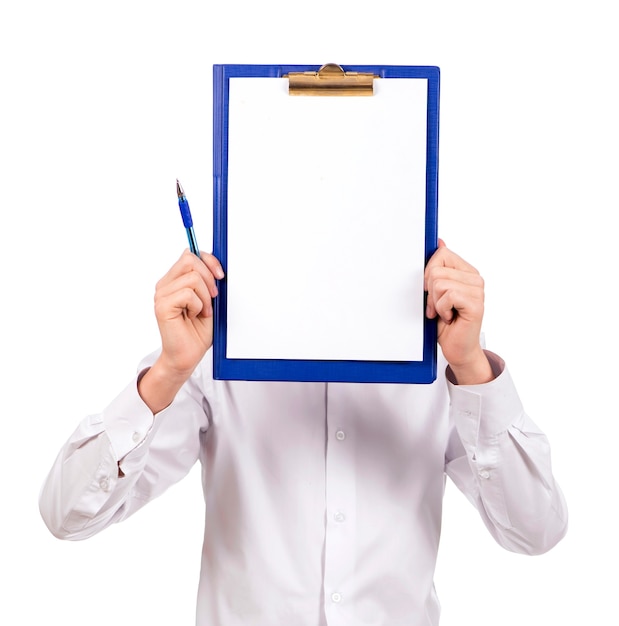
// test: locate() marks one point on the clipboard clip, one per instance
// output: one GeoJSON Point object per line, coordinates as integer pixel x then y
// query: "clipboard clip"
{"type": "Point", "coordinates": [330, 80]}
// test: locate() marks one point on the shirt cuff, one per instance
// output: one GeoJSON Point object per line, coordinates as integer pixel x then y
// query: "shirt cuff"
{"type": "Point", "coordinates": [482, 412]}
{"type": "Point", "coordinates": [127, 420]}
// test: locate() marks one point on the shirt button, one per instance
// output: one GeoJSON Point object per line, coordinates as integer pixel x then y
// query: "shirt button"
{"type": "Point", "coordinates": [104, 483]}
{"type": "Point", "coordinates": [340, 435]}
{"type": "Point", "coordinates": [339, 517]}
{"type": "Point", "coordinates": [336, 597]}
{"type": "Point", "coordinates": [136, 437]}
{"type": "Point", "coordinates": [485, 474]}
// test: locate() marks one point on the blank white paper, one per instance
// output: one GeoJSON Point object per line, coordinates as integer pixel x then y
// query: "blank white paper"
{"type": "Point", "coordinates": [326, 222]}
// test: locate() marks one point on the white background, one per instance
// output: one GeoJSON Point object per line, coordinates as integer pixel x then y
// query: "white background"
{"type": "Point", "coordinates": [103, 105]}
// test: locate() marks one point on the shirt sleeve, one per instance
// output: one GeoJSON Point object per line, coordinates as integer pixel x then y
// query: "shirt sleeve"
{"type": "Point", "coordinates": [501, 461]}
{"type": "Point", "coordinates": [117, 461]}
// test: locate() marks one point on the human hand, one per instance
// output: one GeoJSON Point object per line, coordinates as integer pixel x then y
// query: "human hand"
{"type": "Point", "coordinates": [184, 311]}
{"type": "Point", "coordinates": [456, 295]}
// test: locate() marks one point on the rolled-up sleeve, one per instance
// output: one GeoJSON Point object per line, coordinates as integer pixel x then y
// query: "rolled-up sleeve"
{"type": "Point", "coordinates": [501, 461]}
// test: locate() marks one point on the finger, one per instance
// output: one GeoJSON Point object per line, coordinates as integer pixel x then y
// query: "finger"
{"type": "Point", "coordinates": [444, 257]}
{"type": "Point", "coordinates": [431, 298]}
{"type": "Point", "coordinates": [215, 272]}
{"type": "Point", "coordinates": [187, 263]}
{"type": "Point", "coordinates": [445, 280]}
{"type": "Point", "coordinates": [190, 282]}
{"type": "Point", "coordinates": [182, 303]}
{"type": "Point", "coordinates": [213, 264]}
{"type": "Point", "coordinates": [458, 300]}
{"type": "Point", "coordinates": [441, 274]}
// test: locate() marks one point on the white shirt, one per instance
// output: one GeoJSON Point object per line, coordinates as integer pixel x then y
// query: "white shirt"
{"type": "Point", "coordinates": [323, 501]}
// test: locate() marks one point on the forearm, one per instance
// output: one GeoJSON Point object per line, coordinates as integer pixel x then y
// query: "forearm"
{"type": "Point", "coordinates": [117, 461]}
{"type": "Point", "coordinates": [535, 509]}
{"type": "Point", "coordinates": [501, 461]}
{"type": "Point", "coordinates": [83, 492]}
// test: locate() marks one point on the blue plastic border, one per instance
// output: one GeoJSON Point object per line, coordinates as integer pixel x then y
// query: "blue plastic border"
{"type": "Point", "coordinates": [420, 372]}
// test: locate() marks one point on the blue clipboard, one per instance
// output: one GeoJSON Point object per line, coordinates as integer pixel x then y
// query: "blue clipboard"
{"type": "Point", "coordinates": [242, 115]}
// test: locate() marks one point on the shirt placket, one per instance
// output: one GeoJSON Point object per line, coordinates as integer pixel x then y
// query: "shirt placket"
{"type": "Point", "coordinates": [341, 523]}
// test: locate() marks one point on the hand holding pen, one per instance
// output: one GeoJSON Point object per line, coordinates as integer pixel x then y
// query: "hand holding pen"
{"type": "Point", "coordinates": [184, 311]}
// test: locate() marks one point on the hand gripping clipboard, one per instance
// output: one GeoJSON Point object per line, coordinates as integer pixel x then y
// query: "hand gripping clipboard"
{"type": "Point", "coordinates": [325, 214]}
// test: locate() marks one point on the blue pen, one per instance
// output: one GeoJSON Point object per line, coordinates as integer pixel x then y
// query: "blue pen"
{"type": "Point", "coordinates": [187, 221]}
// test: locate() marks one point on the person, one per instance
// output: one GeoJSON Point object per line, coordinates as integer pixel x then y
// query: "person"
{"type": "Point", "coordinates": [323, 501]}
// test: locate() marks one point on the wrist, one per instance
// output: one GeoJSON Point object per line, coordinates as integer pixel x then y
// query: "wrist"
{"type": "Point", "coordinates": [475, 371]}
{"type": "Point", "coordinates": [160, 384]}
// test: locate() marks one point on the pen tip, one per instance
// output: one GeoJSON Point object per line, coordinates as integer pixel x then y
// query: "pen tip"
{"type": "Point", "coordinates": [179, 189]}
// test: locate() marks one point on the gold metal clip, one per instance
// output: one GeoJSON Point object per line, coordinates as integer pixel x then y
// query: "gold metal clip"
{"type": "Point", "coordinates": [330, 80]}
